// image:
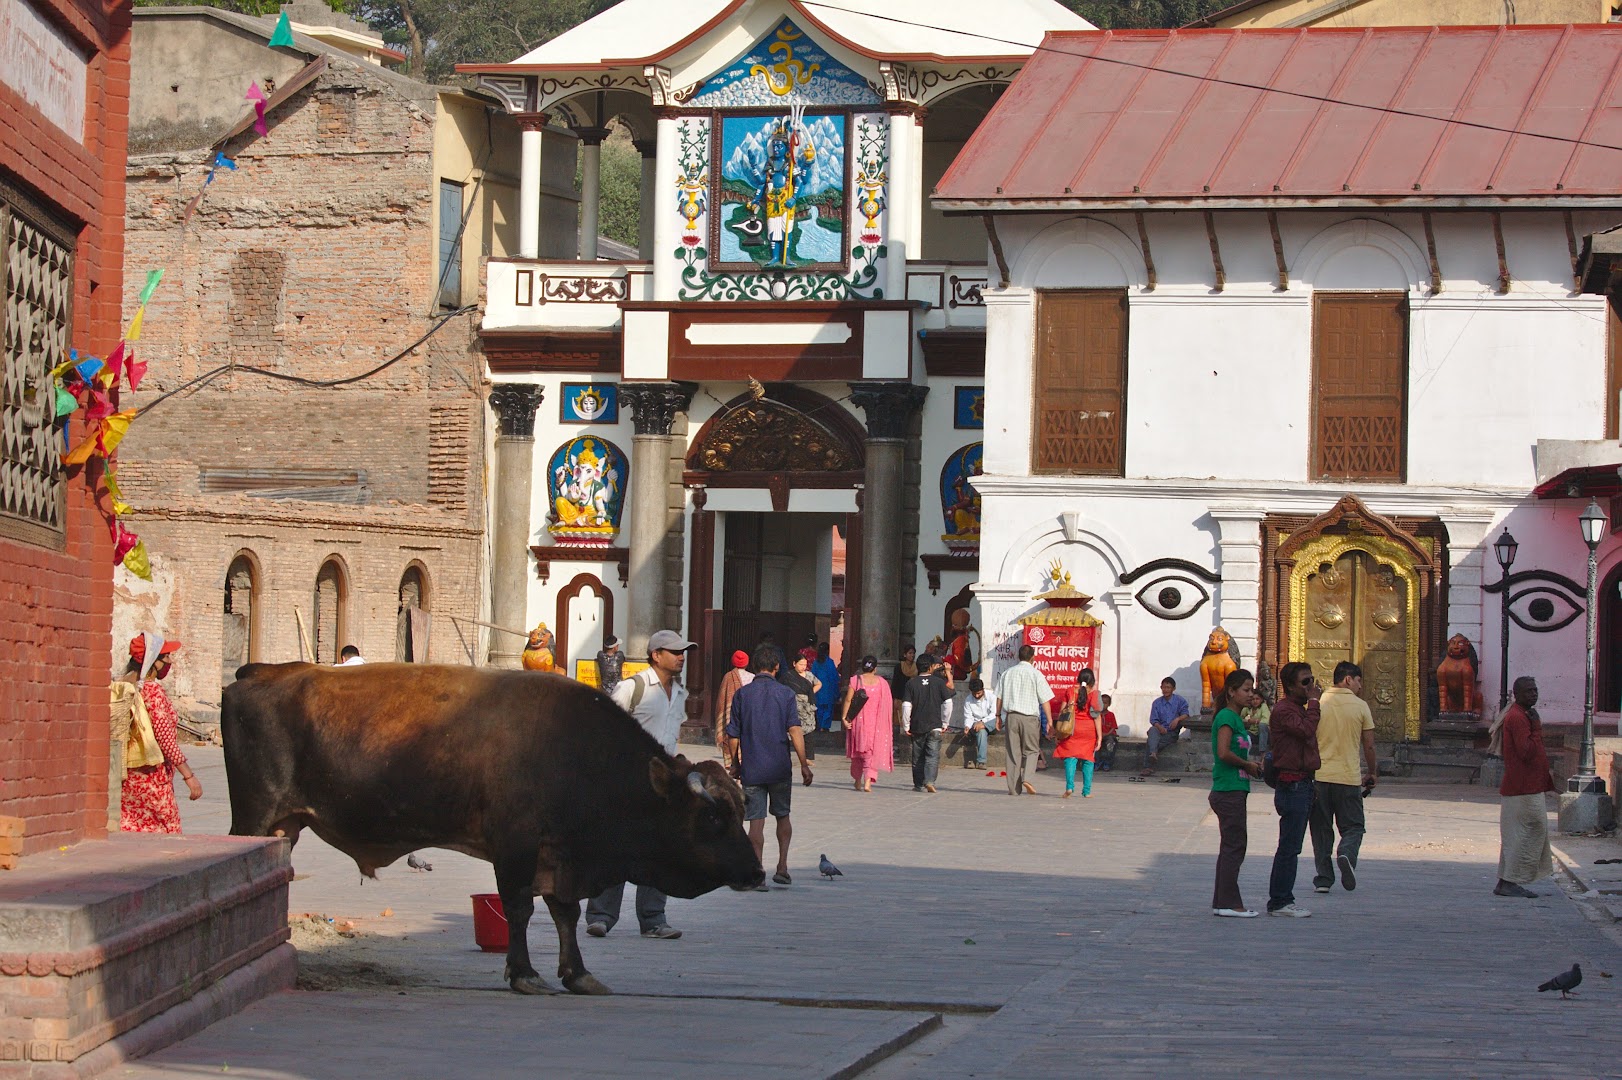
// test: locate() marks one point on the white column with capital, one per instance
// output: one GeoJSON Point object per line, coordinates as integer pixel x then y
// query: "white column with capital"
{"type": "Point", "coordinates": [649, 149]}
{"type": "Point", "coordinates": [529, 183]}
{"type": "Point", "coordinates": [591, 189]}
{"type": "Point", "coordinates": [1239, 561]}
{"type": "Point", "coordinates": [1467, 558]}
{"type": "Point", "coordinates": [666, 232]}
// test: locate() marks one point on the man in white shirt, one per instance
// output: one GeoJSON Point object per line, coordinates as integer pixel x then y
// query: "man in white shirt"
{"type": "Point", "coordinates": [979, 719]}
{"type": "Point", "coordinates": [349, 656]}
{"type": "Point", "coordinates": [1024, 693]}
{"type": "Point", "coordinates": [657, 700]}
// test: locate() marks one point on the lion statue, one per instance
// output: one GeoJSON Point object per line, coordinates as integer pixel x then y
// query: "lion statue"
{"type": "Point", "coordinates": [1456, 677]}
{"type": "Point", "coordinates": [538, 650]}
{"type": "Point", "coordinates": [1221, 660]}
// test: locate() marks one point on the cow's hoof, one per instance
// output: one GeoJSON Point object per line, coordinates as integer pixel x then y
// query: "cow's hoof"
{"type": "Point", "coordinates": [586, 983]}
{"type": "Point", "coordinates": [530, 984]}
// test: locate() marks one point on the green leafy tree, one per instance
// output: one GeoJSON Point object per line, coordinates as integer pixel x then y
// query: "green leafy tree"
{"type": "Point", "coordinates": [1144, 14]}
{"type": "Point", "coordinates": [436, 35]}
{"type": "Point", "coordinates": [619, 210]}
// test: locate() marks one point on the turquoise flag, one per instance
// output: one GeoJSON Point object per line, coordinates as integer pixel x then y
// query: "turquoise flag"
{"type": "Point", "coordinates": [284, 32]}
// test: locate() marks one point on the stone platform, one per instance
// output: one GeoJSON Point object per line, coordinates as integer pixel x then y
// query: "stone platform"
{"type": "Point", "coordinates": [117, 947]}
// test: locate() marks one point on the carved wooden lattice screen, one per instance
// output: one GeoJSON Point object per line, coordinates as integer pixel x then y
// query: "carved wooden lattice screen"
{"type": "Point", "coordinates": [1080, 392]}
{"type": "Point", "coordinates": [34, 326]}
{"type": "Point", "coordinates": [1360, 385]}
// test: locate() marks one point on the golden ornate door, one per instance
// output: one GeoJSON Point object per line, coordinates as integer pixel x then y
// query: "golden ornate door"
{"type": "Point", "coordinates": [1358, 609]}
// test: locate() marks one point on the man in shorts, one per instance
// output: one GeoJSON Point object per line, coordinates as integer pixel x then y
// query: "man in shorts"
{"type": "Point", "coordinates": [764, 725]}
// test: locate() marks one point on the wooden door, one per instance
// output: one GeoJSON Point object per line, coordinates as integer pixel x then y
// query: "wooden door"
{"type": "Point", "coordinates": [1360, 386]}
{"type": "Point", "coordinates": [1357, 610]}
{"type": "Point", "coordinates": [1079, 399]}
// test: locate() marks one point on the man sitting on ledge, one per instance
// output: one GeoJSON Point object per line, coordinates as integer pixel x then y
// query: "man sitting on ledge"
{"type": "Point", "coordinates": [1166, 720]}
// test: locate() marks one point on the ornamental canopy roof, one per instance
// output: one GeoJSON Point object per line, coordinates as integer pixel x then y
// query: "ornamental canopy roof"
{"type": "Point", "coordinates": [634, 33]}
{"type": "Point", "coordinates": [1389, 116]}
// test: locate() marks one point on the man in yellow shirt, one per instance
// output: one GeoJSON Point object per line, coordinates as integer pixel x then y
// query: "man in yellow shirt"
{"type": "Point", "coordinates": [1346, 727]}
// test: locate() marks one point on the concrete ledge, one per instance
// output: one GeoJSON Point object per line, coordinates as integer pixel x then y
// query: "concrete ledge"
{"type": "Point", "coordinates": [98, 939]}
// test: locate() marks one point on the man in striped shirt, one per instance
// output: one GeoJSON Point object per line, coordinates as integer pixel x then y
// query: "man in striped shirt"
{"type": "Point", "coordinates": [1023, 695]}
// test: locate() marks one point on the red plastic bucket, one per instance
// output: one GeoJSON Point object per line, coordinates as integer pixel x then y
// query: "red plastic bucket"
{"type": "Point", "coordinates": [489, 922]}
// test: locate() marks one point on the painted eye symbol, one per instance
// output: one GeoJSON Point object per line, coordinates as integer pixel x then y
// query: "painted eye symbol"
{"type": "Point", "coordinates": [1173, 596]}
{"type": "Point", "coordinates": [1543, 607]}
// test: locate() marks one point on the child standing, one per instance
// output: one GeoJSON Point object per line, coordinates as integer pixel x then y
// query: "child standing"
{"type": "Point", "coordinates": [1112, 738]}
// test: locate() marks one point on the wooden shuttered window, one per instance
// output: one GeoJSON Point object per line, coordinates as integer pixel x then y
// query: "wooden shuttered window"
{"type": "Point", "coordinates": [1079, 400]}
{"type": "Point", "coordinates": [1360, 386]}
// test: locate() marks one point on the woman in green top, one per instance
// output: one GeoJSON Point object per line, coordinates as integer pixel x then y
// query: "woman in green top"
{"type": "Point", "coordinates": [1230, 787]}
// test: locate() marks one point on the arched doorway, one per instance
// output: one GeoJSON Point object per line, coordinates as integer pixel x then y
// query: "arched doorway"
{"type": "Point", "coordinates": [1608, 669]}
{"type": "Point", "coordinates": [585, 616]}
{"type": "Point", "coordinates": [411, 622]}
{"type": "Point", "coordinates": [239, 631]}
{"type": "Point", "coordinates": [791, 570]}
{"type": "Point", "coordinates": [329, 630]}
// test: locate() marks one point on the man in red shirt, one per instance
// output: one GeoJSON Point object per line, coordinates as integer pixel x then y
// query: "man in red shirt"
{"type": "Point", "coordinates": [1523, 819]}
{"type": "Point", "coordinates": [1294, 729]}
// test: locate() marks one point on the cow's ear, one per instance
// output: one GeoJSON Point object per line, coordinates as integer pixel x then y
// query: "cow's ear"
{"type": "Point", "coordinates": [661, 776]}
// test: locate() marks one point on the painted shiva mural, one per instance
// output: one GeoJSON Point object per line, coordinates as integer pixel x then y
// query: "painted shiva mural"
{"type": "Point", "coordinates": [587, 488]}
{"type": "Point", "coordinates": [782, 186]}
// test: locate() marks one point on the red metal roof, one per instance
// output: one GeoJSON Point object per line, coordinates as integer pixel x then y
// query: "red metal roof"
{"type": "Point", "coordinates": [1238, 117]}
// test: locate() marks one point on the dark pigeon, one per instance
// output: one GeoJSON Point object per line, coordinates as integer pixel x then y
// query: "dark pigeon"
{"type": "Point", "coordinates": [417, 864]}
{"type": "Point", "coordinates": [1565, 982]}
{"type": "Point", "coordinates": [829, 870]}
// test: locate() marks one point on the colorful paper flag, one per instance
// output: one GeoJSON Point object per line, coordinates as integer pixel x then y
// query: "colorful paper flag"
{"type": "Point", "coordinates": [137, 562]}
{"type": "Point", "coordinates": [120, 507]}
{"type": "Point", "coordinates": [113, 430]}
{"type": "Point", "coordinates": [284, 32]}
{"type": "Point", "coordinates": [66, 403]}
{"type": "Point", "coordinates": [257, 96]}
{"type": "Point", "coordinates": [88, 369]}
{"type": "Point", "coordinates": [81, 453]}
{"type": "Point", "coordinates": [223, 162]}
{"type": "Point", "coordinates": [124, 542]}
{"type": "Point", "coordinates": [134, 332]}
{"type": "Point", "coordinates": [134, 371]}
{"type": "Point", "coordinates": [152, 279]}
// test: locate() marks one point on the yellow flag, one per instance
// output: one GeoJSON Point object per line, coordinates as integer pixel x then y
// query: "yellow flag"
{"type": "Point", "coordinates": [137, 562]}
{"type": "Point", "coordinates": [120, 507]}
{"type": "Point", "coordinates": [81, 453]}
{"type": "Point", "coordinates": [114, 428]}
{"type": "Point", "coordinates": [134, 332]}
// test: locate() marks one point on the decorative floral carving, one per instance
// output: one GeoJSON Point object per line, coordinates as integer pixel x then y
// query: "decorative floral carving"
{"type": "Point", "coordinates": [764, 436]}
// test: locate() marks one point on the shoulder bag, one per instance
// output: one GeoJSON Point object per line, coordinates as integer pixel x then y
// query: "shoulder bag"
{"type": "Point", "coordinates": [1065, 725]}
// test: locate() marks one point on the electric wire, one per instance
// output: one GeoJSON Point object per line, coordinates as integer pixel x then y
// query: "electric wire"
{"type": "Point", "coordinates": [1237, 83]}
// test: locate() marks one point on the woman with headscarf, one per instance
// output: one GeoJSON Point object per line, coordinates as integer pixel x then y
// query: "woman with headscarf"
{"type": "Point", "coordinates": [870, 734]}
{"type": "Point", "coordinates": [152, 750]}
{"type": "Point", "coordinates": [799, 679]}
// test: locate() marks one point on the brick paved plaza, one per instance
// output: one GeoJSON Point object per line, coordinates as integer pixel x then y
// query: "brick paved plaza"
{"type": "Point", "coordinates": [973, 935]}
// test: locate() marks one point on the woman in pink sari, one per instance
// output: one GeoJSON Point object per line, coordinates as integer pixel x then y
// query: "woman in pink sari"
{"type": "Point", "coordinates": [870, 734]}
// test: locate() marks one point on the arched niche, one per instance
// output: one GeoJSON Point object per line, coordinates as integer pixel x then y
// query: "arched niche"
{"type": "Point", "coordinates": [1080, 253]}
{"type": "Point", "coordinates": [242, 608]}
{"type": "Point", "coordinates": [329, 625]}
{"type": "Point", "coordinates": [584, 594]}
{"type": "Point", "coordinates": [1361, 254]}
{"type": "Point", "coordinates": [412, 621]}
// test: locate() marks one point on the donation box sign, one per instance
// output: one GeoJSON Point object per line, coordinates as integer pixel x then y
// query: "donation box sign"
{"type": "Point", "coordinates": [1062, 651]}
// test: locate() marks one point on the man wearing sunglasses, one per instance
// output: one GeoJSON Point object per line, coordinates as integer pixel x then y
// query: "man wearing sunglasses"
{"type": "Point", "coordinates": [1294, 728]}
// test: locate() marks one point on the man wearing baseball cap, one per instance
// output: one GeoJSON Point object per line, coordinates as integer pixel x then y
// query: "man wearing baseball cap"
{"type": "Point", "coordinates": [656, 699]}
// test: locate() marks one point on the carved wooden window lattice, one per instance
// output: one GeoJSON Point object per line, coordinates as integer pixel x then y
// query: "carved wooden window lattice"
{"type": "Point", "coordinates": [35, 324]}
{"type": "Point", "coordinates": [1080, 392]}
{"type": "Point", "coordinates": [765, 436]}
{"type": "Point", "coordinates": [1359, 385]}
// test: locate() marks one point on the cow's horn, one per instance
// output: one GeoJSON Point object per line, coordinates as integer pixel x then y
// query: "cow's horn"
{"type": "Point", "coordinates": [695, 780]}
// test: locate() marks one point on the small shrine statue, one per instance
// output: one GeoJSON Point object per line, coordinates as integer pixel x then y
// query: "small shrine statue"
{"type": "Point", "coordinates": [538, 649]}
{"type": "Point", "coordinates": [1456, 678]}
{"type": "Point", "coordinates": [1221, 659]}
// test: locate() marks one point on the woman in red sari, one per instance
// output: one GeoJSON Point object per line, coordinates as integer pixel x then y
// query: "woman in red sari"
{"type": "Point", "coordinates": [1082, 745]}
{"type": "Point", "coordinates": [870, 734]}
{"type": "Point", "coordinates": [149, 786]}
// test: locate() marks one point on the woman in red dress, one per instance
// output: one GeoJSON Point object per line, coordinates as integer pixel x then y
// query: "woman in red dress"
{"type": "Point", "coordinates": [1082, 744]}
{"type": "Point", "coordinates": [149, 789]}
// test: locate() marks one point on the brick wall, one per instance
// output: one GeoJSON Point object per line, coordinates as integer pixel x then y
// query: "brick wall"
{"type": "Point", "coordinates": [314, 258]}
{"type": "Point", "coordinates": [56, 602]}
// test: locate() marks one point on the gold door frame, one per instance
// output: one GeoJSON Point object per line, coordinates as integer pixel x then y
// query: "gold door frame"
{"type": "Point", "coordinates": [1328, 549]}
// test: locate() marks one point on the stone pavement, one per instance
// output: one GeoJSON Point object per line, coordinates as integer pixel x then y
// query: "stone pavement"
{"type": "Point", "coordinates": [1050, 937]}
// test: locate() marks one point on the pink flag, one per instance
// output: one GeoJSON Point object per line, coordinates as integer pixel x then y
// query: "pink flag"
{"type": "Point", "coordinates": [134, 371]}
{"type": "Point", "coordinates": [257, 96]}
{"type": "Point", "coordinates": [123, 543]}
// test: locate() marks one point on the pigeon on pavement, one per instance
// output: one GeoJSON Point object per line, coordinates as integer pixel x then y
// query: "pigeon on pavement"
{"type": "Point", "coordinates": [1565, 982]}
{"type": "Point", "coordinates": [417, 864]}
{"type": "Point", "coordinates": [829, 870]}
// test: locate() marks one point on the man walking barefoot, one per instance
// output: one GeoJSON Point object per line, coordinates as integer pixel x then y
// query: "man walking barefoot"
{"type": "Point", "coordinates": [765, 723]}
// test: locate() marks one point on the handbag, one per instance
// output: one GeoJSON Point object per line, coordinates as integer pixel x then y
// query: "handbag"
{"type": "Point", "coordinates": [858, 701]}
{"type": "Point", "coordinates": [1065, 725]}
{"type": "Point", "coordinates": [1269, 770]}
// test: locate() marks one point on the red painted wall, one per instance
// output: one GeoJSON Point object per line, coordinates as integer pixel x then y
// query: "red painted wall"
{"type": "Point", "coordinates": [56, 606]}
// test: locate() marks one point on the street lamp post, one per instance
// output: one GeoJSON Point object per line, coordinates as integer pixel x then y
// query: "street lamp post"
{"type": "Point", "coordinates": [1504, 549]}
{"type": "Point", "coordinates": [1580, 805]}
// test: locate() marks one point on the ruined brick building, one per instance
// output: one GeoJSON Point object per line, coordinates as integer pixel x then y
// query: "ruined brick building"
{"type": "Point", "coordinates": [287, 519]}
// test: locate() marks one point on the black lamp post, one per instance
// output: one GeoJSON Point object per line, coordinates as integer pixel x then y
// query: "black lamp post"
{"type": "Point", "coordinates": [1504, 549]}
{"type": "Point", "coordinates": [1593, 522]}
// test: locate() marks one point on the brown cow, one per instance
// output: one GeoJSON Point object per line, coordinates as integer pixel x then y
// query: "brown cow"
{"type": "Point", "coordinates": [543, 777]}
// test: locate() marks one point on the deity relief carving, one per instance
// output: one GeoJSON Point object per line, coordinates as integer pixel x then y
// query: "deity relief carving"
{"type": "Point", "coordinates": [1331, 615]}
{"type": "Point", "coordinates": [764, 436]}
